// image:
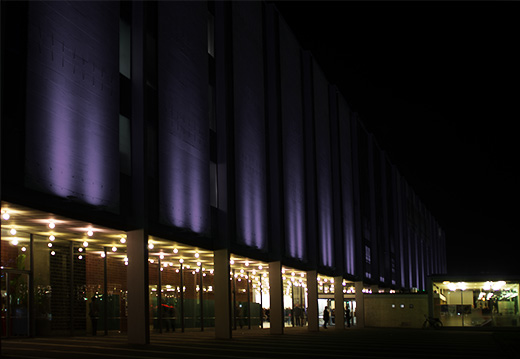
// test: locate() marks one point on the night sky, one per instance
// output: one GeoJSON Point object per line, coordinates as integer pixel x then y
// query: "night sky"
{"type": "Point", "coordinates": [438, 84]}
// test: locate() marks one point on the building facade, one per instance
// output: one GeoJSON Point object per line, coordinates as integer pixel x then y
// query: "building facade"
{"type": "Point", "coordinates": [190, 158]}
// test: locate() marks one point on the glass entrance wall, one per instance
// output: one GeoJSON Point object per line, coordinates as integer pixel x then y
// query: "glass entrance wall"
{"type": "Point", "coordinates": [294, 297]}
{"type": "Point", "coordinates": [476, 304]}
{"type": "Point", "coordinates": [15, 270]}
{"type": "Point", "coordinates": [71, 278]}
{"type": "Point", "coordinates": [181, 286]}
{"type": "Point", "coordinates": [15, 249]}
{"type": "Point", "coordinates": [349, 295]}
{"type": "Point", "coordinates": [326, 298]}
{"type": "Point", "coordinates": [249, 292]}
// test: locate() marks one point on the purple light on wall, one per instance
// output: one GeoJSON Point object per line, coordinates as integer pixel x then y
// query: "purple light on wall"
{"type": "Point", "coordinates": [250, 189]}
{"type": "Point", "coordinates": [292, 143]}
{"type": "Point", "coordinates": [250, 147]}
{"type": "Point", "coordinates": [72, 126]}
{"type": "Point", "coordinates": [347, 200]}
{"type": "Point", "coordinates": [323, 167]}
{"type": "Point", "coordinates": [183, 116]}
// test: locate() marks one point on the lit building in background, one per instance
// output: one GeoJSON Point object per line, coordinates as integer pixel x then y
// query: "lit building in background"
{"type": "Point", "coordinates": [177, 165]}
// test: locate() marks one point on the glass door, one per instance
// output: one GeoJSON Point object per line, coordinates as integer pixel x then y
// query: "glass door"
{"type": "Point", "coordinates": [15, 304]}
{"type": "Point", "coordinates": [3, 294]}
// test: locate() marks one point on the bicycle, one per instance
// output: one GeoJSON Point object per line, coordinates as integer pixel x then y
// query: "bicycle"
{"type": "Point", "coordinates": [430, 322]}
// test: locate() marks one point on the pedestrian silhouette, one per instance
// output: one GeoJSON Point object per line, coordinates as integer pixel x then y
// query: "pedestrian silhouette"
{"type": "Point", "coordinates": [326, 317]}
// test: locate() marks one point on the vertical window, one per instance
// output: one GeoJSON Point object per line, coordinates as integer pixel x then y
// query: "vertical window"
{"type": "Point", "coordinates": [211, 108]}
{"type": "Point", "coordinates": [213, 201]}
{"type": "Point", "coordinates": [368, 258]}
{"type": "Point", "coordinates": [211, 35]}
{"type": "Point", "coordinates": [124, 48]}
{"type": "Point", "coordinates": [125, 159]}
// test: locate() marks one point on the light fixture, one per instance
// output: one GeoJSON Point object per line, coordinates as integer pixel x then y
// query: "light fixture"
{"type": "Point", "coordinates": [53, 253]}
{"type": "Point", "coordinates": [122, 240]}
{"type": "Point", "coordinates": [80, 257]}
{"type": "Point", "coordinates": [49, 245]}
{"type": "Point", "coordinates": [181, 260]}
{"type": "Point", "coordinates": [14, 242]}
{"type": "Point", "coordinates": [24, 249]}
{"type": "Point", "coordinates": [51, 238]}
{"type": "Point", "coordinates": [114, 249]}
{"type": "Point", "coordinates": [13, 231]}
{"type": "Point", "coordinates": [6, 216]}
{"type": "Point", "coordinates": [80, 249]}
{"type": "Point", "coordinates": [196, 254]}
{"type": "Point", "coordinates": [161, 256]}
{"type": "Point", "coordinates": [102, 254]}
{"type": "Point", "coordinates": [85, 244]}
{"type": "Point", "coordinates": [150, 245]}
{"type": "Point", "coordinates": [231, 261]}
{"type": "Point", "coordinates": [52, 225]}
{"type": "Point", "coordinates": [175, 250]}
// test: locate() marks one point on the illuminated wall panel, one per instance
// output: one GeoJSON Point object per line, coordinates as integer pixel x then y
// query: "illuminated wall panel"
{"type": "Point", "coordinates": [347, 194]}
{"type": "Point", "coordinates": [72, 141]}
{"type": "Point", "coordinates": [249, 124]}
{"type": "Point", "coordinates": [323, 168]}
{"type": "Point", "coordinates": [293, 141]}
{"type": "Point", "coordinates": [183, 115]}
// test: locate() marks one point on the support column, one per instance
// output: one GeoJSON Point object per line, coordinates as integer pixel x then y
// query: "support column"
{"type": "Point", "coordinates": [137, 279]}
{"type": "Point", "coordinates": [360, 305]}
{"type": "Point", "coordinates": [276, 297]}
{"type": "Point", "coordinates": [340, 305]}
{"type": "Point", "coordinates": [312, 292]}
{"type": "Point", "coordinates": [222, 294]}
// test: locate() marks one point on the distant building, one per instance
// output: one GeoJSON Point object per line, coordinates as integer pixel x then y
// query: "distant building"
{"type": "Point", "coordinates": [171, 165]}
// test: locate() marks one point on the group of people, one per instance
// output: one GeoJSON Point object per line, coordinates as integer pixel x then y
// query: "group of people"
{"type": "Point", "coordinates": [295, 316]}
{"type": "Point", "coordinates": [326, 316]}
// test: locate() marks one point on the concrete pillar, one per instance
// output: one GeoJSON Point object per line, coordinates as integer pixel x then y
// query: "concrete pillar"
{"type": "Point", "coordinates": [137, 279]}
{"type": "Point", "coordinates": [340, 306]}
{"type": "Point", "coordinates": [360, 305]}
{"type": "Point", "coordinates": [312, 292]}
{"type": "Point", "coordinates": [276, 297]}
{"type": "Point", "coordinates": [222, 290]}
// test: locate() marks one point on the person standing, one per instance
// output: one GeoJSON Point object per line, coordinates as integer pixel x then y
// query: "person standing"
{"type": "Point", "coordinates": [326, 317]}
{"type": "Point", "coordinates": [347, 315]}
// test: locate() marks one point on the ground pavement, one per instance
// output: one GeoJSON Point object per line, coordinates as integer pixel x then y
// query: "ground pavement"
{"type": "Point", "coordinates": [295, 343]}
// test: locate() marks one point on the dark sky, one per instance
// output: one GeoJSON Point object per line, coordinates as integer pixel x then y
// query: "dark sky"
{"type": "Point", "coordinates": [438, 83]}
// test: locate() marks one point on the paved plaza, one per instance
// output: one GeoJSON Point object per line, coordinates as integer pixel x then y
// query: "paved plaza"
{"type": "Point", "coordinates": [295, 343]}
